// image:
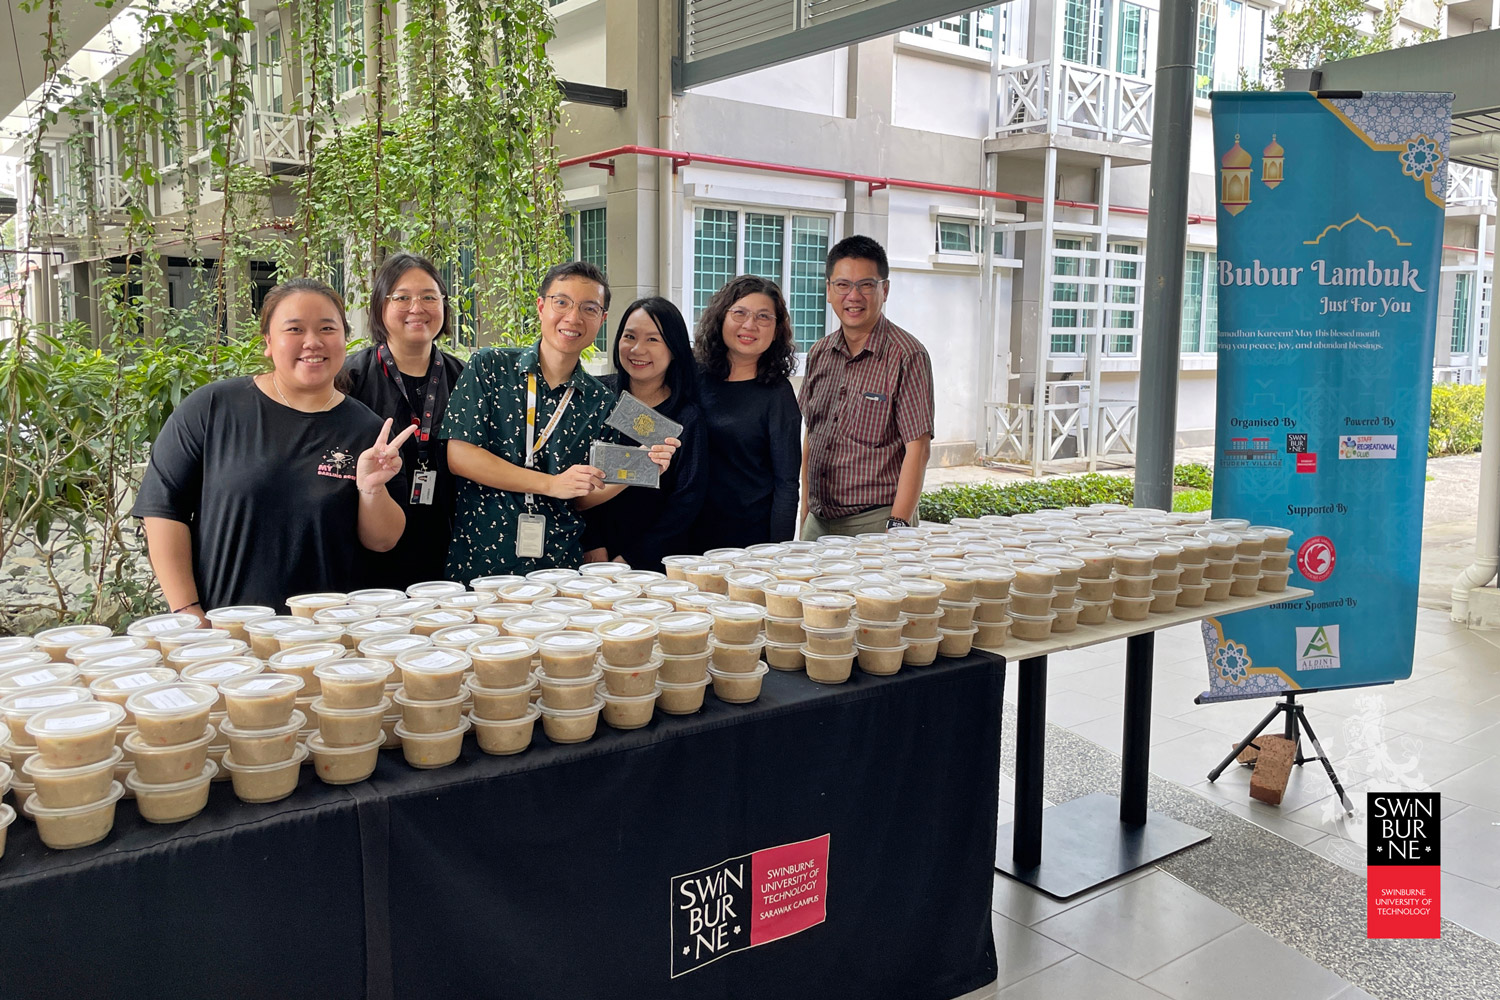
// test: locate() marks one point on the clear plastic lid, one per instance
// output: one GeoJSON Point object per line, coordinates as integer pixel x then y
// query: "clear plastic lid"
{"type": "Point", "coordinates": [443, 617]}
{"type": "Point", "coordinates": [384, 646]}
{"type": "Point", "coordinates": [460, 636]}
{"type": "Point", "coordinates": [493, 583]}
{"type": "Point", "coordinates": [39, 675]}
{"type": "Point", "coordinates": [375, 595]}
{"type": "Point", "coordinates": [569, 643]}
{"type": "Point", "coordinates": [275, 625]}
{"type": "Point", "coordinates": [504, 647]}
{"type": "Point", "coordinates": [72, 635]}
{"type": "Point", "coordinates": [298, 756]}
{"type": "Point", "coordinates": [684, 621]}
{"type": "Point", "coordinates": [759, 642]}
{"type": "Point", "coordinates": [401, 699]}
{"type": "Point", "coordinates": [628, 628]}
{"type": "Point", "coordinates": [588, 680]}
{"type": "Point", "coordinates": [433, 661]}
{"type": "Point", "coordinates": [527, 592]}
{"type": "Point", "coordinates": [573, 713]}
{"type": "Point", "coordinates": [644, 607]}
{"type": "Point", "coordinates": [615, 592]}
{"type": "Point", "coordinates": [214, 649]}
{"type": "Point", "coordinates": [320, 707]}
{"type": "Point", "coordinates": [552, 574]}
{"type": "Point", "coordinates": [28, 658]}
{"type": "Point", "coordinates": [560, 605]}
{"type": "Point", "coordinates": [171, 700]}
{"type": "Point", "coordinates": [326, 599]}
{"type": "Point", "coordinates": [22, 705]}
{"type": "Point", "coordinates": [344, 614]}
{"type": "Point", "coordinates": [16, 644]}
{"type": "Point", "coordinates": [788, 588]}
{"type": "Point", "coordinates": [828, 600]}
{"type": "Point", "coordinates": [94, 648]}
{"type": "Point", "coordinates": [80, 719]}
{"type": "Point", "coordinates": [240, 613]}
{"type": "Point", "coordinates": [608, 570]}
{"type": "Point", "coordinates": [592, 618]}
{"type": "Point", "coordinates": [701, 600]}
{"type": "Point", "coordinates": [881, 591]}
{"type": "Point", "coordinates": [309, 655]}
{"type": "Point", "coordinates": [216, 672]}
{"type": "Point", "coordinates": [641, 577]}
{"type": "Point", "coordinates": [378, 626]}
{"type": "Point", "coordinates": [353, 669]}
{"type": "Point", "coordinates": [130, 679]}
{"type": "Point", "coordinates": [169, 641]}
{"type": "Point", "coordinates": [749, 577]}
{"type": "Point", "coordinates": [203, 777]}
{"type": "Point", "coordinates": [435, 589]}
{"type": "Point", "coordinates": [316, 745]}
{"type": "Point", "coordinates": [261, 686]}
{"type": "Point", "coordinates": [37, 765]}
{"type": "Point", "coordinates": [467, 601]}
{"type": "Point", "coordinates": [581, 586]}
{"type": "Point", "coordinates": [841, 584]}
{"type": "Point", "coordinates": [534, 623]}
{"type": "Point", "coordinates": [407, 608]}
{"type": "Point", "coordinates": [739, 611]}
{"type": "Point", "coordinates": [35, 809]}
{"type": "Point", "coordinates": [668, 589]}
{"type": "Point", "coordinates": [134, 745]}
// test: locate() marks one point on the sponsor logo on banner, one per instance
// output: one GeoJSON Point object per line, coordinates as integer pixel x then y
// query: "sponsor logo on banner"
{"type": "Point", "coordinates": [1367, 446]}
{"type": "Point", "coordinates": [1307, 461]}
{"type": "Point", "coordinates": [1315, 558]}
{"type": "Point", "coordinates": [1251, 451]}
{"type": "Point", "coordinates": [1403, 845]}
{"type": "Point", "coordinates": [748, 901]}
{"type": "Point", "coordinates": [1318, 647]}
{"type": "Point", "coordinates": [1296, 444]}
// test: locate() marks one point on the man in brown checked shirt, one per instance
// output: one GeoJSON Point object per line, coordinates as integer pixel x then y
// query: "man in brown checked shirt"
{"type": "Point", "coordinates": [867, 403]}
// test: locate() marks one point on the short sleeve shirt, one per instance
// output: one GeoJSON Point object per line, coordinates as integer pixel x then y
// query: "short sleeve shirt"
{"type": "Point", "coordinates": [488, 410]}
{"type": "Point", "coordinates": [860, 412]}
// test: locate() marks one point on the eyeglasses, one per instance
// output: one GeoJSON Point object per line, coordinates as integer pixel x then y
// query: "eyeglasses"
{"type": "Point", "coordinates": [744, 317]}
{"type": "Point", "coordinates": [592, 311]}
{"type": "Point", "coordinates": [405, 301]}
{"type": "Point", "coordinates": [866, 287]}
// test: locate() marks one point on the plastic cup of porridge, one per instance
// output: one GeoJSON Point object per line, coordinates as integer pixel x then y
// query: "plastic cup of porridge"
{"type": "Point", "coordinates": [748, 585]}
{"type": "Point", "coordinates": [632, 681]}
{"type": "Point", "coordinates": [377, 596]}
{"type": "Point", "coordinates": [1274, 581]}
{"type": "Point", "coordinates": [922, 596]}
{"type": "Point", "coordinates": [90, 671]}
{"type": "Point", "coordinates": [502, 662]}
{"type": "Point", "coordinates": [66, 787]}
{"type": "Point", "coordinates": [1130, 609]}
{"type": "Point", "coordinates": [74, 735]}
{"type": "Point", "coordinates": [684, 633]}
{"type": "Point", "coordinates": [1068, 568]}
{"type": "Point", "coordinates": [108, 646]}
{"type": "Point", "coordinates": [992, 635]}
{"type": "Point", "coordinates": [785, 630]}
{"type": "Point", "coordinates": [428, 622]}
{"type": "Point", "coordinates": [784, 655]}
{"type": "Point", "coordinates": [501, 704]}
{"type": "Point", "coordinates": [1134, 561]}
{"type": "Point", "coordinates": [215, 672]}
{"type": "Point", "coordinates": [684, 668]}
{"type": "Point", "coordinates": [709, 577]}
{"type": "Point", "coordinates": [1274, 539]}
{"type": "Point", "coordinates": [697, 600]}
{"type": "Point", "coordinates": [56, 642]}
{"type": "Point", "coordinates": [784, 597]}
{"type": "Point", "coordinates": [463, 636]}
{"type": "Point", "coordinates": [435, 590]}
{"type": "Point", "coordinates": [572, 654]}
{"type": "Point", "coordinates": [348, 727]}
{"type": "Point", "coordinates": [31, 658]}
{"type": "Point", "coordinates": [568, 692]}
{"type": "Point", "coordinates": [1219, 569]}
{"type": "Point", "coordinates": [1275, 562]}
{"type": "Point", "coordinates": [571, 725]}
{"type": "Point", "coordinates": [232, 619]}
{"type": "Point", "coordinates": [429, 674]}
{"type": "Point", "coordinates": [261, 633]}
{"type": "Point", "coordinates": [344, 765]}
{"type": "Point", "coordinates": [1094, 612]}
{"type": "Point", "coordinates": [1192, 595]}
{"type": "Point", "coordinates": [590, 619]}
{"type": "Point", "coordinates": [828, 609]}
{"type": "Point", "coordinates": [958, 614]}
{"type": "Point", "coordinates": [526, 592]}
{"type": "Point", "coordinates": [920, 652]}
{"type": "Point", "coordinates": [303, 662]}
{"type": "Point", "coordinates": [472, 603]}
{"type": "Point", "coordinates": [177, 802]}
{"type": "Point", "coordinates": [1134, 586]}
{"type": "Point", "coordinates": [172, 713]}
{"type": "Point", "coordinates": [7, 817]}
{"type": "Point", "coordinates": [738, 658]}
{"type": "Point", "coordinates": [1218, 590]}
{"type": "Point", "coordinates": [78, 826]}
{"type": "Point", "coordinates": [628, 642]}
{"type": "Point", "coordinates": [958, 641]}
{"type": "Point", "coordinates": [165, 764]}
{"type": "Point", "coordinates": [989, 610]}
{"type": "Point", "coordinates": [643, 607]}
{"type": "Point", "coordinates": [607, 596]}
{"type": "Point", "coordinates": [737, 623]}
{"type": "Point", "coordinates": [918, 626]}
{"type": "Point", "coordinates": [265, 782]}
{"type": "Point", "coordinates": [429, 716]}
{"type": "Point", "coordinates": [682, 698]}
{"type": "Point", "coordinates": [629, 711]}
{"type": "Point", "coordinates": [171, 642]}
{"type": "Point", "coordinates": [881, 660]}
{"type": "Point", "coordinates": [388, 647]}
{"type": "Point", "coordinates": [831, 640]}
{"type": "Point", "coordinates": [503, 737]}
{"type": "Point", "coordinates": [432, 750]}
{"type": "Point", "coordinates": [828, 668]}
{"type": "Point", "coordinates": [667, 590]}
{"type": "Point", "coordinates": [878, 602]}
{"type": "Point", "coordinates": [878, 633]}
{"type": "Point", "coordinates": [17, 708]}
{"type": "Point", "coordinates": [351, 683]}
{"type": "Point", "coordinates": [150, 628]}
{"type": "Point", "coordinates": [1244, 585]}
{"type": "Point", "coordinates": [535, 624]}
{"type": "Point", "coordinates": [1032, 628]}
{"type": "Point", "coordinates": [260, 701]}
{"type": "Point", "coordinates": [307, 605]}
{"type": "Point", "coordinates": [736, 687]}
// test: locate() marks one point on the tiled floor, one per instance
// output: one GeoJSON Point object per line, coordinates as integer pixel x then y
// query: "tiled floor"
{"type": "Point", "coordinates": [1151, 936]}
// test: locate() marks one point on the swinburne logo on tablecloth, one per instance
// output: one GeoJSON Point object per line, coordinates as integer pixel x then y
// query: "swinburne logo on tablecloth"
{"type": "Point", "coordinates": [1318, 647]}
{"type": "Point", "coordinates": [1403, 843]}
{"type": "Point", "coordinates": [747, 901]}
{"type": "Point", "coordinates": [1367, 446]}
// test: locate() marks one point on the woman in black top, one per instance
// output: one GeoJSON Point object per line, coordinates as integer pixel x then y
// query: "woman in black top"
{"type": "Point", "coordinates": [744, 348]}
{"type": "Point", "coordinates": [405, 376]}
{"type": "Point", "coordinates": [263, 487]}
{"type": "Point", "coordinates": [656, 366]}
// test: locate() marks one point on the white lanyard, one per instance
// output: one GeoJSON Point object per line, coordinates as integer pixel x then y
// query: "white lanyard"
{"type": "Point", "coordinates": [532, 445]}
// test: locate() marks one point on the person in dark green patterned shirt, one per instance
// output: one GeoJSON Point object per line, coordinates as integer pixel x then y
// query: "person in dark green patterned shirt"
{"type": "Point", "coordinates": [487, 428]}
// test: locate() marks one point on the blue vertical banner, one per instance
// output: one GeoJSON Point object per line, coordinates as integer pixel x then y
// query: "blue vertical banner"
{"type": "Point", "coordinates": [1330, 223]}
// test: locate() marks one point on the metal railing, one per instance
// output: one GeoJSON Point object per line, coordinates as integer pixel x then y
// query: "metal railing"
{"type": "Point", "coordinates": [1013, 432]}
{"type": "Point", "coordinates": [1090, 102]}
{"type": "Point", "coordinates": [1469, 185]}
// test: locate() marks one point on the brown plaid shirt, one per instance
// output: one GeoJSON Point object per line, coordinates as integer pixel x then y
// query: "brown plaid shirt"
{"type": "Point", "coordinates": [860, 412]}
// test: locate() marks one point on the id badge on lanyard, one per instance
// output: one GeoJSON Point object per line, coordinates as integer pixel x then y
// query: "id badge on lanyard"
{"type": "Point", "coordinates": [424, 480]}
{"type": "Point", "coordinates": [531, 527]}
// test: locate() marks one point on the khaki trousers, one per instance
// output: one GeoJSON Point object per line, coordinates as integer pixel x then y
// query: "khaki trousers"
{"type": "Point", "coordinates": [816, 527]}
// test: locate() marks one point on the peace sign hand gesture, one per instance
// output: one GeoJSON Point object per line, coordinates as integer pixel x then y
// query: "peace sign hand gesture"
{"type": "Point", "coordinates": [381, 461]}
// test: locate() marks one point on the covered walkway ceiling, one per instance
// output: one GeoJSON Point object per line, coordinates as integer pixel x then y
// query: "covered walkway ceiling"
{"type": "Point", "coordinates": [22, 49]}
{"type": "Point", "coordinates": [723, 38]}
{"type": "Point", "coordinates": [1467, 65]}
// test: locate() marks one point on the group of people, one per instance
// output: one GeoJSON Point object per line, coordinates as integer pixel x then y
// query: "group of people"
{"type": "Point", "coordinates": [291, 481]}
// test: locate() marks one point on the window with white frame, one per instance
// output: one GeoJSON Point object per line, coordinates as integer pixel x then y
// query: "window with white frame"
{"type": "Point", "coordinates": [1208, 17]}
{"type": "Point", "coordinates": [170, 141]}
{"type": "Point", "coordinates": [589, 236]}
{"type": "Point", "coordinates": [1239, 44]}
{"type": "Point", "coordinates": [1200, 303]}
{"type": "Point", "coordinates": [982, 30]}
{"type": "Point", "coordinates": [349, 44]}
{"type": "Point", "coordinates": [1134, 40]}
{"type": "Point", "coordinates": [1123, 295]}
{"type": "Point", "coordinates": [1083, 32]}
{"type": "Point", "coordinates": [1463, 291]}
{"type": "Point", "coordinates": [961, 236]}
{"type": "Point", "coordinates": [789, 248]}
{"type": "Point", "coordinates": [1072, 257]}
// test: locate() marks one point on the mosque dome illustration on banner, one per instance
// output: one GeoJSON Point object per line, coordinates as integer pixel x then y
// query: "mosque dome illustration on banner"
{"type": "Point", "coordinates": [1271, 163]}
{"type": "Point", "coordinates": [1234, 179]}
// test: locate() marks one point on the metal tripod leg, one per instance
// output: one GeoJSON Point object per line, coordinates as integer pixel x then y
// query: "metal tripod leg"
{"type": "Point", "coordinates": [1270, 717]}
{"type": "Point", "coordinates": [1327, 764]}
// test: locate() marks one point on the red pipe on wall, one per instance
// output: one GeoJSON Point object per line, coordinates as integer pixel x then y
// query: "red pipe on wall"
{"type": "Point", "coordinates": [602, 160]}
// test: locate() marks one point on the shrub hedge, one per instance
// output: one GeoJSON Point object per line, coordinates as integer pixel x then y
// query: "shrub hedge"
{"type": "Point", "coordinates": [1457, 419]}
{"type": "Point", "coordinates": [978, 499]}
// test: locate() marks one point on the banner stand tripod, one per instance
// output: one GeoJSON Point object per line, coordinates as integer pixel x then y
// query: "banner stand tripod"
{"type": "Point", "coordinates": [1296, 721]}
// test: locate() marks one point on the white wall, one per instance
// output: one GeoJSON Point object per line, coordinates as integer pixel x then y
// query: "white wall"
{"type": "Point", "coordinates": [939, 96]}
{"type": "Point", "coordinates": [578, 48]}
{"type": "Point", "coordinates": [941, 310]}
{"type": "Point", "coordinates": [818, 84]}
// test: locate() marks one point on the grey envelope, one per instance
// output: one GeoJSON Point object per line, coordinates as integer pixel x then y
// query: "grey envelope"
{"type": "Point", "coordinates": [624, 465]}
{"type": "Point", "coordinates": [639, 422]}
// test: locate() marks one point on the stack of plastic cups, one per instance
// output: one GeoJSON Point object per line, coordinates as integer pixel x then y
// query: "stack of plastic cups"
{"type": "Point", "coordinates": [1218, 572]}
{"type": "Point", "coordinates": [307, 605]}
{"type": "Point", "coordinates": [1096, 586]}
{"type": "Point", "coordinates": [170, 750]}
{"type": "Point", "coordinates": [922, 611]}
{"type": "Point", "coordinates": [233, 619]}
{"type": "Point", "coordinates": [213, 673]}
{"type": "Point", "coordinates": [346, 616]}
{"type": "Point", "coordinates": [150, 628]}
{"type": "Point", "coordinates": [1247, 554]}
{"type": "Point", "coordinates": [1135, 576]}
{"type": "Point", "coordinates": [1166, 575]}
{"type": "Point", "coordinates": [501, 684]}
{"type": "Point", "coordinates": [630, 660]}
{"type": "Point", "coordinates": [1065, 601]}
{"type": "Point", "coordinates": [783, 624]}
{"type": "Point", "coordinates": [70, 767]}
{"type": "Point", "coordinates": [828, 647]}
{"type": "Point", "coordinates": [431, 699]}
{"type": "Point", "coordinates": [1031, 596]}
{"type": "Point", "coordinates": [735, 649]}
{"type": "Point", "coordinates": [879, 624]}
{"type": "Point", "coordinates": [1192, 562]}
{"type": "Point", "coordinates": [1275, 558]}
{"type": "Point", "coordinates": [566, 679]}
{"type": "Point", "coordinates": [302, 661]}
{"type": "Point", "coordinates": [117, 687]}
{"type": "Point", "coordinates": [682, 637]}
{"type": "Point", "coordinates": [16, 709]}
{"type": "Point", "coordinates": [956, 629]}
{"type": "Point", "coordinates": [344, 745]}
{"type": "Point", "coordinates": [263, 729]}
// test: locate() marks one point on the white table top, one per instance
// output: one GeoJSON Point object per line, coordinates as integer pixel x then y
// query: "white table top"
{"type": "Point", "coordinates": [1091, 635]}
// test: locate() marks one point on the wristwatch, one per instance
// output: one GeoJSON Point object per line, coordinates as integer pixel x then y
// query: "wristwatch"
{"type": "Point", "coordinates": [896, 522]}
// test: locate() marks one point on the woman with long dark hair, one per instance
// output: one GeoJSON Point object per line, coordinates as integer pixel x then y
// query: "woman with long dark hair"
{"type": "Point", "coordinates": [272, 485]}
{"type": "Point", "coordinates": [654, 363]}
{"type": "Point", "coordinates": [404, 375]}
{"type": "Point", "coordinates": [745, 352]}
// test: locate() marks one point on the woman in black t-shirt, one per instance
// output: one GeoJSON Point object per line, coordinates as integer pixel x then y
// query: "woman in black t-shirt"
{"type": "Point", "coordinates": [405, 376]}
{"type": "Point", "coordinates": [263, 487]}
{"type": "Point", "coordinates": [744, 345]}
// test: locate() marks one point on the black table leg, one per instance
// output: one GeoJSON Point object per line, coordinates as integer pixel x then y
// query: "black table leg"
{"type": "Point", "coordinates": [1135, 752]}
{"type": "Point", "coordinates": [1031, 732]}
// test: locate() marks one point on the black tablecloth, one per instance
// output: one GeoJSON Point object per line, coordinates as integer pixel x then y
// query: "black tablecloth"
{"type": "Point", "coordinates": [551, 873]}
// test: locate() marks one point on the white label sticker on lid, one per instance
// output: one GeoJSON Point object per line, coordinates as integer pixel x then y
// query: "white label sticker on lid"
{"type": "Point", "coordinates": [163, 624]}
{"type": "Point", "coordinates": [433, 659]}
{"type": "Point", "coordinates": [170, 698]}
{"type": "Point", "coordinates": [405, 642]}
{"type": "Point", "coordinates": [629, 628]}
{"type": "Point", "coordinates": [465, 635]}
{"type": "Point", "coordinates": [261, 684]}
{"type": "Point", "coordinates": [34, 678]}
{"type": "Point", "coordinates": [351, 670]}
{"type": "Point", "coordinates": [529, 590]}
{"type": "Point", "coordinates": [71, 723]}
{"type": "Point", "coordinates": [120, 660]}
{"type": "Point", "coordinates": [133, 681]}
{"type": "Point", "coordinates": [297, 656]}
{"type": "Point", "coordinates": [381, 625]}
{"type": "Point", "coordinates": [502, 648]}
{"type": "Point", "coordinates": [37, 702]}
{"type": "Point", "coordinates": [221, 670]}
{"type": "Point", "coordinates": [444, 616]}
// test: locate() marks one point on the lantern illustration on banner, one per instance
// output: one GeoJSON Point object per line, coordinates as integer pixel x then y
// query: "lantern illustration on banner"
{"type": "Point", "coordinates": [1271, 163]}
{"type": "Point", "coordinates": [1234, 179]}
